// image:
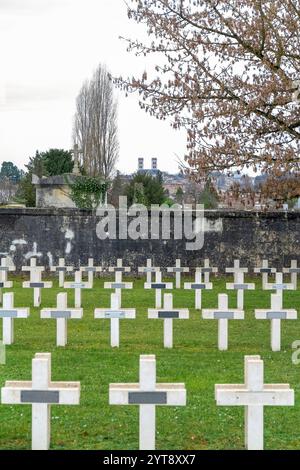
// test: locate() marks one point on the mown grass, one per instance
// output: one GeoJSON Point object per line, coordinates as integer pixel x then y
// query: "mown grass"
{"type": "Point", "coordinates": [194, 360]}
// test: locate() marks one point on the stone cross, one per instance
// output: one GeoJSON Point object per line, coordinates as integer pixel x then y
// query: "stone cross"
{"type": "Point", "coordinates": [275, 314]}
{"type": "Point", "coordinates": [207, 270]}
{"type": "Point", "coordinates": [279, 286]}
{"type": "Point", "coordinates": [294, 270]}
{"type": "Point", "coordinates": [265, 270]}
{"type": "Point", "coordinates": [236, 269]}
{"type": "Point", "coordinates": [62, 269]}
{"type": "Point", "coordinates": [8, 313]}
{"type": "Point", "coordinates": [148, 270]}
{"type": "Point", "coordinates": [36, 282]}
{"type": "Point", "coordinates": [147, 394]}
{"type": "Point", "coordinates": [223, 314]}
{"type": "Point", "coordinates": [115, 314]}
{"type": "Point", "coordinates": [91, 269]}
{"type": "Point", "coordinates": [254, 395]}
{"type": "Point", "coordinates": [198, 286]}
{"type": "Point", "coordinates": [77, 285]}
{"type": "Point", "coordinates": [178, 270]}
{"type": "Point", "coordinates": [4, 269]}
{"type": "Point", "coordinates": [119, 270]}
{"type": "Point", "coordinates": [158, 285]}
{"type": "Point", "coordinates": [240, 286]}
{"type": "Point", "coordinates": [62, 314]}
{"type": "Point", "coordinates": [41, 393]}
{"type": "Point", "coordinates": [168, 314]}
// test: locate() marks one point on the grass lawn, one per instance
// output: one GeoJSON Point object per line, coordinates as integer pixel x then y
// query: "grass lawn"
{"type": "Point", "coordinates": [195, 360]}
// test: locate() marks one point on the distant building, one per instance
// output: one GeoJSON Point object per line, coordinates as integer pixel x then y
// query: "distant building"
{"type": "Point", "coordinates": [153, 171]}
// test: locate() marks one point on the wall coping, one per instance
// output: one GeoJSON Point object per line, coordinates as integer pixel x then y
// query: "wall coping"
{"type": "Point", "coordinates": [213, 214]}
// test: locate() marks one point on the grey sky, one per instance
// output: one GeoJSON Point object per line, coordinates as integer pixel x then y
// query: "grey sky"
{"type": "Point", "coordinates": [50, 48]}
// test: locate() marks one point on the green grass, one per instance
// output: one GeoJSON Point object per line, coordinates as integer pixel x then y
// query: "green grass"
{"type": "Point", "coordinates": [195, 360]}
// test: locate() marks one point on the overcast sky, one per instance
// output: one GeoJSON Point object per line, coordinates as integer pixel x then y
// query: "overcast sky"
{"type": "Point", "coordinates": [48, 48]}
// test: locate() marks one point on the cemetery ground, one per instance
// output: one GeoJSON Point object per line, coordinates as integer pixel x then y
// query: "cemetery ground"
{"type": "Point", "coordinates": [194, 360]}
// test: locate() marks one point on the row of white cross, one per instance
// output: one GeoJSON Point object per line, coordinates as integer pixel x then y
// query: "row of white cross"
{"type": "Point", "coordinates": [276, 313]}
{"type": "Point", "coordinates": [41, 393]}
{"type": "Point", "coordinates": [78, 284]}
{"type": "Point", "coordinates": [149, 269]}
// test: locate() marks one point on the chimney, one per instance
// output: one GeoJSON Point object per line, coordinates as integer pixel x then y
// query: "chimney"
{"type": "Point", "coordinates": [140, 163]}
{"type": "Point", "coordinates": [154, 163]}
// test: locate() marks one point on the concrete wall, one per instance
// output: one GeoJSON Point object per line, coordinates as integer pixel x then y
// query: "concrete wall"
{"type": "Point", "coordinates": [54, 233]}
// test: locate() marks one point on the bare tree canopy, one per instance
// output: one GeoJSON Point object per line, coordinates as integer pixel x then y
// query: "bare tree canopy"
{"type": "Point", "coordinates": [226, 71]}
{"type": "Point", "coordinates": [95, 124]}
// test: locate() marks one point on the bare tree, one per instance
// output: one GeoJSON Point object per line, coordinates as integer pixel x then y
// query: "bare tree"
{"type": "Point", "coordinates": [227, 71]}
{"type": "Point", "coordinates": [95, 124]}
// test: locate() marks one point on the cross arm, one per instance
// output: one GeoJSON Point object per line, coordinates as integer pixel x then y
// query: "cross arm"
{"type": "Point", "coordinates": [181, 314]}
{"type": "Point", "coordinates": [159, 285]}
{"type": "Point", "coordinates": [72, 313]}
{"type": "Point", "coordinates": [238, 395]}
{"type": "Point", "coordinates": [152, 269]}
{"type": "Point", "coordinates": [265, 270]}
{"type": "Point", "coordinates": [66, 393]}
{"type": "Point", "coordinates": [118, 285]}
{"type": "Point", "coordinates": [198, 285]}
{"type": "Point", "coordinates": [230, 314]}
{"type": "Point", "coordinates": [41, 285]}
{"type": "Point", "coordinates": [6, 284]}
{"type": "Point", "coordinates": [62, 268]}
{"type": "Point", "coordinates": [15, 312]}
{"type": "Point", "coordinates": [271, 314]}
{"type": "Point", "coordinates": [33, 268]}
{"type": "Point", "coordinates": [123, 269]}
{"type": "Point", "coordinates": [233, 270]}
{"type": "Point", "coordinates": [94, 269]}
{"type": "Point", "coordinates": [283, 286]}
{"type": "Point", "coordinates": [237, 286]}
{"type": "Point", "coordinates": [102, 313]}
{"type": "Point", "coordinates": [163, 394]}
{"type": "Point", "coordinates": [77, 285]}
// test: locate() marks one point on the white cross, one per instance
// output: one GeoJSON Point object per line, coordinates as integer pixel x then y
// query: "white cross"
{"type": "Point", "coordinates": [149, 269]}
{"type": "Point", "coordinates": [240, 286]}
{"type": "Point", "coordinates": [8, 313]}
{"type": "Point", "coordinates": [62, 269]}
{"type": "Point", "coordinates": [207, 270]}
{"type": "Point", "coordinates": [279, 286]}
{"type": "Point", "coordinates": [158, 285]}
{"type": "Point", "coordinates": [77, 285]}
{"type": "Point", "coordinates": [168, 314]}
{"type": "Point", "coordinates": [119, 270]}
{"type": "Point", "coordinates": [236, 269]}
{"type": "Point", "coordinates": [254, 395]}
{"type": "Point", "coordinates": [293, 271]}
{"type": "Point", "coordinates": [198, 286]}
{"type": "Point", "coordinates": [223, 314]}
{"type": "Point", "coordinates": [275, 314]}
{"type": "Point", "coordinates": [178, 270]}
{"type": "Point", "coordinates": [61, 314]}
{"type": "Point", "coordinates": [4, 269]}
{"type": "Point", "coordinates": [36, 282]}
{"type": "Point", "coordinates": [115, 314]}
{"type": "Point", "coordinates": [41, 393]}
{"type": "Point", "coordinates": [147, 394]}
{"type": "Point", "coordinates": [91, 269]}
{"type": "Point", "coordinates": [265, 270]}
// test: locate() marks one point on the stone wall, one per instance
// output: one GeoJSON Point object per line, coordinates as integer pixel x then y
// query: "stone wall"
{"type": "Point", "coordinates": [54, 233]}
